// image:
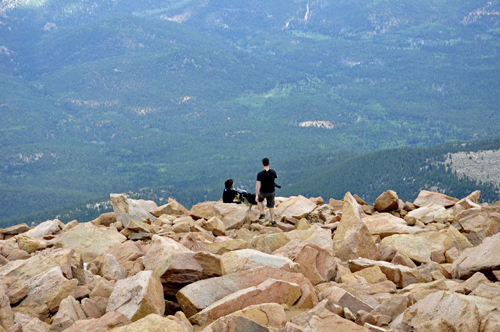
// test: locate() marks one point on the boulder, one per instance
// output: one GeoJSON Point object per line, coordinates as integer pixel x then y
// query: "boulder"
{"type": "Point", "coordinates": [6, 314]}
{"type": "Point", "coordinates": [128, 251]}
{"type": "Point", "coordinates": [222, 247]}
{"type": "Point", "coordinates": [483, 258]}
{"type": "Point", "coordinates": [135, 224]}
{"type": "Point", "coordinates": [372, 274]}
{"type": "Point", "coordinates": [235, 324]}
{"type": "Point", "coordinates": [28, 323]}
{"type": "Point", "coordinates": [30, 244]}
{"type": "Point", "coordinates": [215, 225]}
{"type": "Point", "coordinates": [419, 247]}
{"type": "Point", "coordinates": [387, 201]}
{"type": "Point", "coordinates": [482, 218]}
{"type": "Point", "coordinates": [45, 228]}
{"type": "Point", "coordinates": [344, 299]}
{"type": "Point", "coordinates": [110, 268]}
{"type": "Point", "coordinates": [233, 215]}
{"type": "Point", "coordinates": [139, 208]}
{"type": "Point", "coordinates": [69, 312]}
{"type": "Point", "coordinates": [161, 249]}
{"type": "Point", "coordinates": [90, 241]}
{"type": "Point", "coordinates": [246, 259]}
{"type": "Point", "coordinates": [201, 294]}
{"type": "Point", "coordinates": [138, 296]}
{"type": "Point", "coordinates": [385, 224]}
{"type": "Point", "coordinates": [352, 238]}
{"type": "Point", "coordinates": [296, 207]}
{"type": "Point", "coordinates": [269, 291]}
{"type": "Point", "coordinates": [173, 208]}
{"type": "Point", "coordinates": [271, 315]}
{"type": "Point", "coordinates": [316, 263]}
{"type": "Point", "coordinates": [105, 323]}
{"type": "Point", "coordinates": [16, 290]}
{"type": "Point", "coordinates": [192, 243]}
{"type": "Point", "coordinates": [426, 198]}
{"type": "Point", "coordinates": [91, 309]}
{"type": "Point", "coordinates": [429, 213]}
{"type": "Point", "coordinates": [105, 219]}
{"type": "Point", "coordinates": [14, 230]}
{"type": "Point", "coordinates": [46, 293]}
{"type": "Point", "coordinates": [465, 313]}
{"type": "Point", "coordinates": [101, 293]}
{"type": "Point", "coordinates": [204, 211]}
{"type": "Point", "coordinates": [152, 323]}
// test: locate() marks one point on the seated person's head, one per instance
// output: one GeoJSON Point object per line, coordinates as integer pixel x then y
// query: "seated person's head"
{"type": "Point", "coordinates": [229, 183]}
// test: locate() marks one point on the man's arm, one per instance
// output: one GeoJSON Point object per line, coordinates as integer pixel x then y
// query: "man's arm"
{"type": "Point", "coordinates": [257, 188]}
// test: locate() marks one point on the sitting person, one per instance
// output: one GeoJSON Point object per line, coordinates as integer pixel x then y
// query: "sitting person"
{"type": "Point", "coordinates": [230, 195]}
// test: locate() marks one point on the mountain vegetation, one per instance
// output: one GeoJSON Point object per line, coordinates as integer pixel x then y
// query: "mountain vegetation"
{"type": "Point", "coordinates": [110, 96]}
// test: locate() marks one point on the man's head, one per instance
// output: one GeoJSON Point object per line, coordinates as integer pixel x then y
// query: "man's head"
{"type": "Point", "coordinates": [229, 183]}
{"type": "Point", "coordinates": [265, 162]}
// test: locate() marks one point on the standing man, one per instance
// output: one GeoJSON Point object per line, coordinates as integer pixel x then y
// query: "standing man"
{"type": "Point", "coordinates": [264, 189]}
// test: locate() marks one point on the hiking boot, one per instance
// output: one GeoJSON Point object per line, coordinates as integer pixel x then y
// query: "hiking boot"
{"type": "Point", "coordinates": [262, 216]}
{"type": "Point", "coordinates": [273, 223]}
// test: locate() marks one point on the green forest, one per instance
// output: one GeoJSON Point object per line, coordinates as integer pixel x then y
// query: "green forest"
{"type": "Point", "coordinates": [176, 96]}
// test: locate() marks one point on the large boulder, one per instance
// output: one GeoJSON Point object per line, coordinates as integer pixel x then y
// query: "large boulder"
{"type": "Point", "coordinates": [295, 207]}
{"type": "Point", "coordinates": [385, 224]}
{"type": "Point", "coordinates": [106, 323]}
{"type": "Point", "coordinates": [201, 294]}
{"type": "Point", "coordinates": [484, 258]}
{"type": "Point", "coordinates": [465, 313]}
{"type": "Point", "coordinates": [233, 215]}
{"type": "Point", "coordinates": [89, 240]}
{"type": "Point", "coordinates": [387, 201]}
{"type": "Point", "coordinates": [430, 213]}
{"type": "Point", "coordinates": [269, 291]}
{"type": "Point", "coordinates": [317, 264]}
{"type": "Point", "coordinates": [246, 259]}
{"type": "Point", "coordinates": [173, 208]}
{"type": "Point", "coordinates": [138, 296]}
{"type": "Point", "coordinates": [152, 323]}
{"type": "Point", "coordinates": [161, 249]}
{"type": "Point", "coordinates": [45, 228]}
{"type": "Point", "coordinates": [123, 205]}
{"type": "Point", "coordinates": [352, 238]}
{"type": "Point", "coordinates": [419, 247]}
{"type": "Point", "coordinates": [69, 312]}
{"type": "Point", "coordinates": [46, 293]}
{"type": "Point", "coordinates": [426, 198]}
{"type": "Point", "coordinates": [204, 211]}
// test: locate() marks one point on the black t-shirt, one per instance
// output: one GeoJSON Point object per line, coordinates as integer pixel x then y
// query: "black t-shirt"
{"type": "Point", "coordinates": [229, 195]}
{"type": "Point", "coordinates": [266, 179]}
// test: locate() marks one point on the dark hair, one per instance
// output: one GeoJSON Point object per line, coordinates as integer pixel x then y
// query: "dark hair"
{"type": "Point", "coordinates": [265, 162]}
{"type": "Point", "coordinates": [229, 183]}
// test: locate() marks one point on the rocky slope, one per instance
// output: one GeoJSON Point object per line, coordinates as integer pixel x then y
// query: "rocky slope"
{"type": "Point", "coordinates": [430, 265]}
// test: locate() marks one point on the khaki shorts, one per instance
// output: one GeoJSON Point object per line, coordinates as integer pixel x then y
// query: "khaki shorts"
{"type": "Point", "coordinates": [269, 197]}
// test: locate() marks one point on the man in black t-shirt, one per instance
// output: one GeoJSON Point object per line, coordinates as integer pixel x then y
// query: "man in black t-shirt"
{"type": "Point", "coordinates": [264, 189]}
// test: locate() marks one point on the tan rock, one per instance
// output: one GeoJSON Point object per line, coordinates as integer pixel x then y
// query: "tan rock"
{"type": "Point", "coordinates": [151, 323]}
{"type": "Point", "coordinates": [123, 205]}
{"type": "Point", "coordinates": [18, 254]}
{"type": "Point", "coordinates": [192, 243]}
{"type": "Point", "coordinates": [101, 293]}
{"type": "Point", "coordinates": [126, 251]}
{"type": "Point", "coordinates": [69, 312]}
{"type": "Point", "coordinates": [204, 211]}
{"type": "Point", "coordinates": [426, 198]}
{"type": "Point", "coordinates": [461, 241]}
{"type": "Point", "coordinates": [436, 325]}
{"type": "Point", "coordinates": [105, 219]}
{"type": "Point", "coordinates": [16, 290]}
{"type": "Point", "coordinates": [296, 207]}
{"type": "Point", "coordinates": [14, 230]}
{"type": "Point", "coordinates": [344, 299]}
{"type": "Point", "coordinates": [352, 238]}
{"type": "Point", "coordinates": [215, 225]}
{"type": "Point", "coordinates": [110, 268]}
{"type": "Point", "coordinates": [28, 323]}
{"type": "Point", "coordinates": [372, 274]}
{"type": "Point", "coordinates": [91, 309]}
{"type": "Point", "coordinates": [385, 224]}
{"type": "Point", "coordinates": [316, 264]}
{"type": "Point", "coordinates": [161, 249]}
{"type": "Point", "coordinates": [222, 247]}
{"type": "Point", "coordinates": [105, 323]}
{"type": "Point", "coordinates": [232, 215]}
{"type": "Point", "coordinates": [246, 259]}
{"type": "Point", "coordinates": [45, 228]}
{"type": "Point", "coordinates": [171, 208]}
{"type": "Point", "coordinates": [386, 201]}
{"type": "Point", "coordinates": [483, 258]}
{"type": "Point", "coordinates": [429, 214]}
{"type": "Point", "coordinates": [402, 259]}
{"type": "Point", "coordinates": [271, 290]}
{"type": "Point", "coordinates": [89, 240]}
{"type": "Point", "coordinates": [303, 224]}
{"type": "Point", "coordinates": [30, 244]}
{"type": "Point", "coordinates": [464, 312]}
{"type": "Point", "coordinates": [6, 314]}
{"type": "Point", "coordinates": [181, 227]}
{"type": "Point", "coordinates": [420, 246]}
{"type": "Point", "coordinates": [485, 219]}
{"type": "Point", "coordinates": [46, 293]}
{"type": "Point", "coordinates": [268, 314]}
{"type": "Point", "coordinates": [199, 295]}
{"type": "Point", "coordinates": [138, 296]}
